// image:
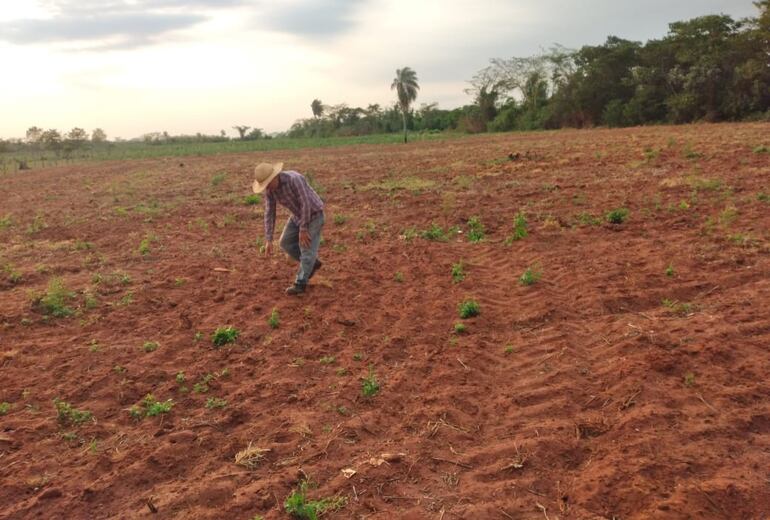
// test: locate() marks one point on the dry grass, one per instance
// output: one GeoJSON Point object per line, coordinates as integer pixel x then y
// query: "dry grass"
{"type": "Point", "coordinates": [251, 456]}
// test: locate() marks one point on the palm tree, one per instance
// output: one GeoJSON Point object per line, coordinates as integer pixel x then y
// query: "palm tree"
{"type": "Point", "coordinates": [317, 107]}
{"type": "Point", "coordinates": [405, 84]}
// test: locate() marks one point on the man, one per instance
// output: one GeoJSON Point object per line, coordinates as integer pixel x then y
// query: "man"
{"type": "Point", "coordinates": [302, 233]}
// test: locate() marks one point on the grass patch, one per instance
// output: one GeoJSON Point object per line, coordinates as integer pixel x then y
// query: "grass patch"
{"type": "Point", "coordinates": [340, 219]}
{"type": "Point", "coordinates": [215, 402]}
{"type": "Point", "coordinates": [150, 407]}
{"type": "Point", "coordinates": [460, 328]}
{"type": "Point", "coordinates": [218, 179]}
{"type": "Point", "coordinates": [437, 234]}
{"type": "Point", "coordinates": [391, 185]}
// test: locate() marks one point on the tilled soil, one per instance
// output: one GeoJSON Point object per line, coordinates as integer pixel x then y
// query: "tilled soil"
{"type": "Point", "coordinates": [629, 381]}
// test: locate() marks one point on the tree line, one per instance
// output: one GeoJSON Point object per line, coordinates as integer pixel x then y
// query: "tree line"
{"type": "Point", "coordinates": [710, 68]}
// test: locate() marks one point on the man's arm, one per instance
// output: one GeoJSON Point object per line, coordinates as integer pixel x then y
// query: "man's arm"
{"type": "Point", "coordinates": [269, 217]}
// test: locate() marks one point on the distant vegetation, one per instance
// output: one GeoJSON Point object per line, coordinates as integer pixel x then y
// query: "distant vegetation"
{"type": "Point", "coordinates": [710, 68]}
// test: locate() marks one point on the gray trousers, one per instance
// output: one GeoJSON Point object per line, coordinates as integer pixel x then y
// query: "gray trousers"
{"type": "Point", "coordinates": [305, 256]}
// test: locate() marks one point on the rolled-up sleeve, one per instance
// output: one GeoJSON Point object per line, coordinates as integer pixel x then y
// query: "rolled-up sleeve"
{"type": "Point", "coordinates": [269, 217]}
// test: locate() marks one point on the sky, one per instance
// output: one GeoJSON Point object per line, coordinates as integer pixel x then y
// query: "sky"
{"type": "Point", "coordinates": [132, 67]}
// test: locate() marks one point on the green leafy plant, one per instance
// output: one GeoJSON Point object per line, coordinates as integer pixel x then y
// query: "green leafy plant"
{"type": "Point", "coordinates": [358, 356]}
{"type": "Point", "coordinates": [670, 272]}
{"type": "Point", "coordinates": [327, 360]}
{"type": "Point", "coordinates": [689, 379]}
{"type": "Point", "coordinates": [399, 277]}
{"type": "Point", "coordinates": [763, 197]}
{"type": "Point", "coordinates": [14, 276]}
{"type": "Point", "coordinates": [468, 309]}
{"type": "Point", "coordinates": [340, 219]}
{"type": "Point", "coordinates": [5, 407]}
{"type": "Point", "coordinates": [224, 335]}
{"type": "Point", "coordinates": [6, 221]}
{"type": "Point", "coordinates": [519, 228]}
{"type": "Point", "coordinates": [437, 233]}
{"type": "Point", "coordinates": [370, 386]}
{"type": "Point", "coordinates": [202, 386]}
{"type": "Point", "coordinates": [153, 407]}
{"type": "Point", "coordinates": [54, 301]}
{"type": "Point", "coordinates": [150, 346]}
{"type": "Point", "coordinates": [531, 276]}
{"type": "Point", "coordinates": [218, 179]}
{"type": "Point", "coordinates": [458, 272]}
{"type": "Point", "coordinates": [676, 307]}
{"type": "Point", "coordinates": [508, 349]}
{"type": "Point", "coordinates": [460, 328]}
{"type": "Point", "coordinates": [274, 320]}
{"type": "Point", "coordinates": [67, 414]}
{"type": "Point", "coordinates": [475, 230]}
{"type": "Point", "coordinates": [299, 506]}
{"type": "Point", "coordinates": [252, 199]}
{"type": "Point", "coordinates": [617, 215]}
{"type": "Point", "coordinates": [215, 402]}
{"type": "Point", "coordinates": [144, 245]}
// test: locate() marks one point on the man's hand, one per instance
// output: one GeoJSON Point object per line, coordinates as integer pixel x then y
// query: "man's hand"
{"type": "Point", "coordinates": [304, 238]}
{"type": "Point", "coordinates": [268, 248]}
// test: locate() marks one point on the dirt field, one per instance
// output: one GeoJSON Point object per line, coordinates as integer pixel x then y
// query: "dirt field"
{"type": "Point", "coordinates": [629, 381]}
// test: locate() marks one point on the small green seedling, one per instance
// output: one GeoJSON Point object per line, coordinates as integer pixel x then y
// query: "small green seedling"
{"type": "Point", "coordinates": [519, 228]}
{"type": "Point", "coordinates": [4, 407]}
{"type": "Point", "coordinates": [689, 379]}
{"type": "Point", "coordinates": [370, 386]}
{"type": "Point", "coordinates": [215, 402]}
{"type": "Point", "coordinates": [458, 272]}
{"type": "Point", "coordinates": [54, 301]}
{"type": "Point", "coordinates": [358, 356]}
{"type": "Point", "coordinates": [531, 276]}
{"type": "Point", "coordinates": [468, 309]}
{"type": "Point", "coordinates": [340, 219]}
{"type": "Point", "coordinates": [617, 216]}
{"type": "Point", "coordinates": [224, 335]}
{"type": "Point", "coordinates": [150, 407]}
{"type": "Point", "coordinates": [475, 230]}
{"type": "Point", "coordinates": [274, 320]}
{"type": "Point", "coordinates": [69, 415]}
{"type": "Point", "coordinates": [399, 277]}
{"type": "Point", "coordinates": [460, 328]}
{"type": "Point", "coordinates": [298, 506]}
{"type": "Point", "coordinates": [670, 272]}
{"type": "Point", "coordinates": [150, 346]}
{"type": "Point", "coordinates": [327, 360]}
{"type": "Point", "coordinates": [252, 199]}
{"type": "Point", "coordinates": [508, 349]}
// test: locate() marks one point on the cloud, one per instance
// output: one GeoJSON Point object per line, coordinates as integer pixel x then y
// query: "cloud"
{"type": "Point", "coordinates": [118, 24]}
{"type": "Point", "coordinates": [313, 19]}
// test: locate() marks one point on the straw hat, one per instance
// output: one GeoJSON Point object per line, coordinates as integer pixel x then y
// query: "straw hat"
{"type": "Point", "coordinates": [263, 174]}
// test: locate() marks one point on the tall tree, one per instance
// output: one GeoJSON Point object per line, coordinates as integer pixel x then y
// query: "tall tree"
{"type": "Point", "coordinates": [98, 136]}
{"type": "Point", "coordinates": [405, 85]}
{"type": "Point", "coordinates": [242, 130]}
{"type": "Point", "coordinates": [317, 107]}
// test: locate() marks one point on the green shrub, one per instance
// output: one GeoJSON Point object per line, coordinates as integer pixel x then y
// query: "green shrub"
{"type": "Point", "coordinates": [519, 228]}
{"type": "Point", "coordinates": [298, 506]}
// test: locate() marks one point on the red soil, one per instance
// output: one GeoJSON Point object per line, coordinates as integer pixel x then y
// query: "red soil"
{"type": "Point", "coordinates": [606, 404]}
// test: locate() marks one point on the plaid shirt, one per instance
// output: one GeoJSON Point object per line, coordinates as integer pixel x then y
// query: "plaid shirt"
{"type": "Point", "coordinates": [295, 194]}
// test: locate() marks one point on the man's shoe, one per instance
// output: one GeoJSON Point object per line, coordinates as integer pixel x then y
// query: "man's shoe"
{"type": "Point", "coordinates": [295, 289]}
{"type": "Point", "coordinates": [316, 267]}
